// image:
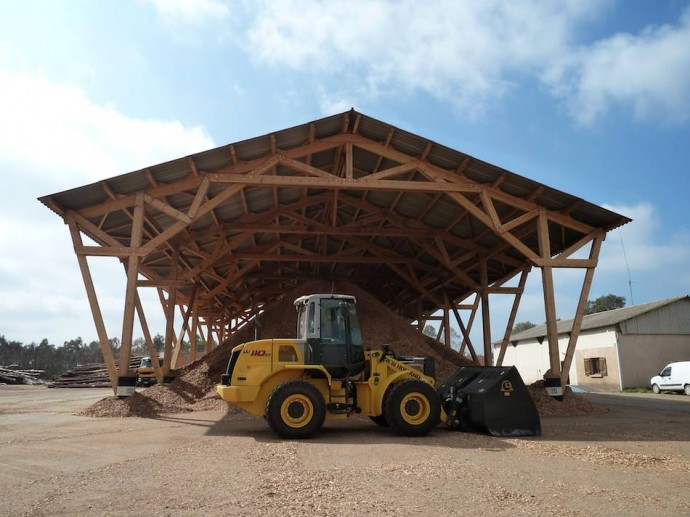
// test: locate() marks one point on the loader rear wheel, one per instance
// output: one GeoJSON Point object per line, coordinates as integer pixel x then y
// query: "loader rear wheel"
{"type": "Point", "coordinates": [412, 408]}
{"type": "Point", "coordinates": [295, 409]}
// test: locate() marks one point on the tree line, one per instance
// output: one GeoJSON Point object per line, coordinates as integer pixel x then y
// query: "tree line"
{"type": "Point", "coordinates": [57, 360]}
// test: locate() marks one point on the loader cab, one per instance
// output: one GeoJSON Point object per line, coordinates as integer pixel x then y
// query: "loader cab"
{"type": "Point", "coordinates": [327, 325]}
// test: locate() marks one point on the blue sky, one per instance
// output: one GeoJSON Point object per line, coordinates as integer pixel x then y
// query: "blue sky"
{"type": "Point", "coordinates": [589, 97]}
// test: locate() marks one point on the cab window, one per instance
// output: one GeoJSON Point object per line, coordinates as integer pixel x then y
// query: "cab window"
{"type": "Point", "coordinates": [287, 354]}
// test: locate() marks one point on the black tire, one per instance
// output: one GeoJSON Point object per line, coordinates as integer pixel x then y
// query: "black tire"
{"type": "Point", "coordinates": [295, 410]}
{"type": "Point", "coordinates": [655, 389]}
{"type": "Point", "coordinates": [412, 408]}
{"type": "Point", "coordinates": [379, 420]}
{"type": "Point", "coordinates": [686, 389]}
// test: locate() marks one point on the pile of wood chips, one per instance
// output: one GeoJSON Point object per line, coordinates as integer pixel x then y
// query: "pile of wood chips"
{"type": "Point", "coordinates": [571, 405]}
{"type": "Point", "coordinates": [194, 386]}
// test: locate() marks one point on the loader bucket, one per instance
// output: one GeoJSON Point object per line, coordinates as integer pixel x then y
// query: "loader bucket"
{"type": "Point", "coordinates": [490, 399]}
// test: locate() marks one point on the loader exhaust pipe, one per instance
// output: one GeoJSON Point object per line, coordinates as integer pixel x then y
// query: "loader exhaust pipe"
{"type": "Point", "coordinates": [490, 399]}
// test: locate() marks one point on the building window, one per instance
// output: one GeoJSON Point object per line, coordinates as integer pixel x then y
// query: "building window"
{"type": "Point", "coordinates": [595, 367]}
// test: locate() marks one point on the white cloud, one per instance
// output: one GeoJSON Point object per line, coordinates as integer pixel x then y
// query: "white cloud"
{"type": "Point", "coordinates": [50, 128]}
{"type": "Point", "coordinates": [190, 12]}
{"type": "Point", "coordinates": [472, 54]}
{"type": "Point", "coordinates": [463, 52]}
{"type": "Point", "coordinates": [640, 245]}
{"type": "Point", "coordinates": [53, 138]}
{"type": "Point", "coordinates": [648, 72]}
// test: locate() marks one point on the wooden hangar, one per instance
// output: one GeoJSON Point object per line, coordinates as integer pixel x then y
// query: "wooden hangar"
{"type": "Point", "coordinates": [428, 230]}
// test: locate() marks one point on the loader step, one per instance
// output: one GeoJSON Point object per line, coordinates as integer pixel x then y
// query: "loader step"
{"type": "Point", "coordinates": [338, 408]}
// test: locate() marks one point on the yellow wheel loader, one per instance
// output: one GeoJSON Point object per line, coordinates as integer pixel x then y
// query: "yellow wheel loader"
{"type": "Point", "coordinates": [326, 373]}
{"type": "Point", "coordinates": [146, 375]}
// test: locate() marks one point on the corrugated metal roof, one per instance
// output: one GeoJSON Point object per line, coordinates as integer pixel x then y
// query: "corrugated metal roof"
{"type": "Point", "coordinates": [409, 143]}
{"type": "Point", "coordinates": [599, 319]}
{"type": "Point", "coordinates": [290, 206]}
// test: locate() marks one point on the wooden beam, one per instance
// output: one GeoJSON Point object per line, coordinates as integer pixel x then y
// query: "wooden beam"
{"type": "Point", "coordinates": [110, 251]}
{"type": "Point", "coordinates": [341, 183]}
{"type": "Point", "coordinates": [486, 314]}
{"type": "Point", "coordinates": [167, 209]}
{"type": "Point", "coordinates": [343, 258]}
{"type": "Point", "coordinates": [153, 353]}
{"type": "Point", "coordinates": [581, 306]}
{"type": "Point", "coordinates": [511, 318]}
{"type": "Point", "coordinates": [565, 263]}
{"type": "Point", "coordinates": [199, 198]}
{"type": "Point", "coordinates": [549, 297]}
{"type": "Point", "coordinates": [131, 292]}
{"type": "Point", "coordinates": [106, 350]}
{"type": "Point", "coordinates": [465, 334]}
{"type": "Point", "coordinates": [349, 162]}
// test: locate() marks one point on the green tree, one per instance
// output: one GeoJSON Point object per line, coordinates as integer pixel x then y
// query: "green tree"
{"type": "Point", "coordinates": [139, 347]}
{"type": "Point", "coordinates": [522, 326]}
{"type": "Point", "coordinates": [605, 303]}
{"type": "Point", "coordinates": [159, 342]}
{"type": "Point", "coordinates": [430, 331]}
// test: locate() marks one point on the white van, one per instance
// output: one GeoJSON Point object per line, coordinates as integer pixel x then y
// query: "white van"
{"type": "Point", "coordinates": [675, 377]}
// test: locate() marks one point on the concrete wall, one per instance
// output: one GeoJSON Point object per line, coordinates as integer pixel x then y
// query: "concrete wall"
{"type": "Point", "coordinates": [643, 355]}
{"type": "Point", "coordinates": [532, 358]}
{"type": "Point", "coordinates": [608, 382]}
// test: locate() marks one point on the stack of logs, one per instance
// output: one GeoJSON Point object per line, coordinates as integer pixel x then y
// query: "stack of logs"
{"type": "Point", "coordinates": [13, 375]}
{"type": "Point", "coordinates": [92, 375]}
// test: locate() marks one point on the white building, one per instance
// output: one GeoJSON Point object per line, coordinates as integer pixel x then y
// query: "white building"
{"type": "Point", "coordinates": [616, 349]}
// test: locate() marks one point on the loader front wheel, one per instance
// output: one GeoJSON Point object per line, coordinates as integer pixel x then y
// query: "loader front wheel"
{"type": "Point", "coordinates": [412, 408]}
{"type": "Point", "coordinates": [295, 409]}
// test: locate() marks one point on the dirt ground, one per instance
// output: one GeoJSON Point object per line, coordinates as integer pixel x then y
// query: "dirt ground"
{"type": "Point", "coordinates": [633, 459]}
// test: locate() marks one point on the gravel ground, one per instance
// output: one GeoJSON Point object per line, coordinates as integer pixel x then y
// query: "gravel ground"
{"type": "Point", "coordinates": [631, 459]}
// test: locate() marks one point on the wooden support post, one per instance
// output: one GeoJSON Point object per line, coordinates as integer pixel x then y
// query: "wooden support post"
{"type": "Point", "coordinates": [486, 314]}
{"type": "Point", "coordinates": [349, 174]}
{"type": "Point", "coordinates": [553, 375]}
{"type": "Point", "coordinates": [169, 308]}
{"type": "Point", "coordinates": [511, 319]}
{"type": "Point", "coordinates": [208, 342]}
{"type": "Point", "coordinates": [581, 306]}
{"type": "Point", "coordinates": [192, 336]}
{"type": "Point", "coordinates": [185, 325]}
{"type": "Point", "coordinates": [446, 325]}
{"type": "Point", "coordinates": [169, 330]}
{"type": "Point", "coordinates": [106, 350]}
{"type": "Point", "coordinates": [130, 294]}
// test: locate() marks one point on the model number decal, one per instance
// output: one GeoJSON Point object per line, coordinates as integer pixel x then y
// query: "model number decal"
{"type": "Point", "coordinates": [403, 368]}
{"type": "Point", "coordinates": [257, 353]}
